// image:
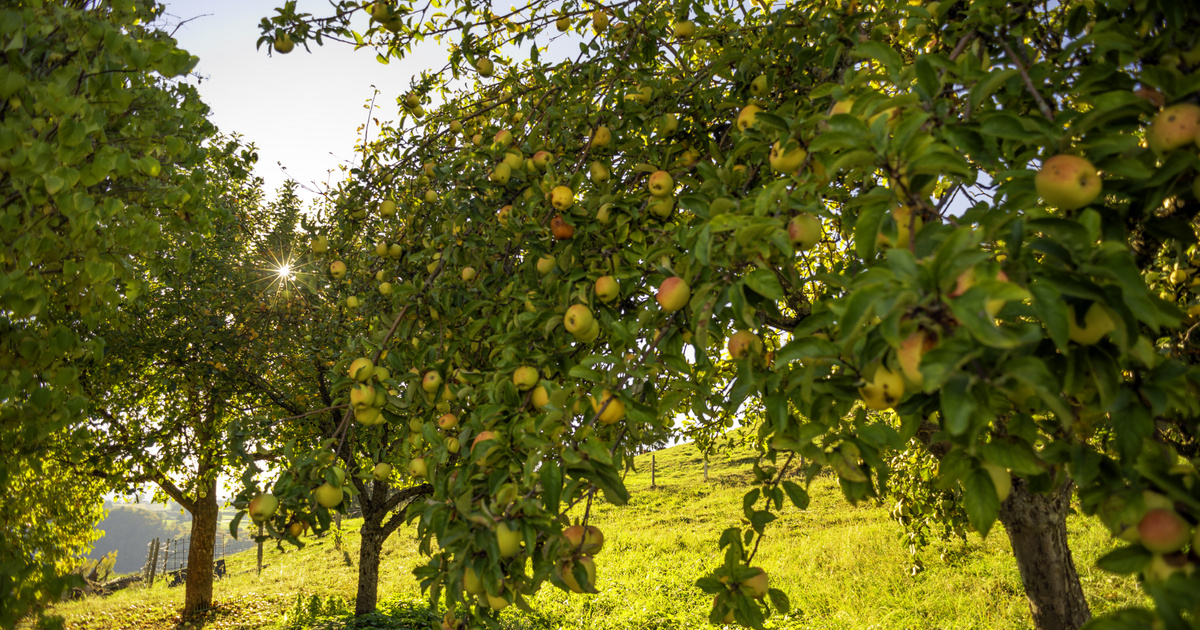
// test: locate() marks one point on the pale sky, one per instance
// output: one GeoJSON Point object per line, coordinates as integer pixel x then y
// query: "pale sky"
{"type": "Point", "coordinates": [301, 109]}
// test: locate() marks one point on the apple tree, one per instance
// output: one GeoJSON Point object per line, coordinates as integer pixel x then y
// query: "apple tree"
{"type": "Point", "coordinates": [968, 224]}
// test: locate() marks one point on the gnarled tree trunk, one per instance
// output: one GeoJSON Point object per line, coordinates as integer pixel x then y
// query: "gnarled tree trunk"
{"type": "Point", "coordinates": [199, 587]}
{"type": "Point", "coordinates": [368, 563]}
{"type": "Point", "coordinates": [1037, 528]}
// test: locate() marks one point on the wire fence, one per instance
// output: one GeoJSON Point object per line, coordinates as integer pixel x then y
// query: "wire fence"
{"type": "Point", "coordinates": [168, 559]}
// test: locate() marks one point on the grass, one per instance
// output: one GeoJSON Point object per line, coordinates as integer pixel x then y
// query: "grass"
{"type": "Point", "coordinates": [842, 567]}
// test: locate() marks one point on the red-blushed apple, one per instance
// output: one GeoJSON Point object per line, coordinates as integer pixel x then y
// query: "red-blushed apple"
{"type": "Point", "coordinates": [561, 229]}
{"type": "Point", "coordinates": [566, 570]}
{"type": "Point", "coordinates": [589, 540]}
{"type": "Point", "coordinates": [509, 540]}
{"type": "Point", "coordinates": [660, 184]}
{"type": "Point", "coordinates": [748, 117]}
{"type": "Point", "coordinates": [327, 495]}
{"type": "Point", "coordinates": [482, 437]}
{"type": "Point", "coordinates": [361, 369]}
{"type": "Point", "coordinates": [525, 378]}
{"type": "Point", "coordinates": [1174, 127]}
{"type": "Point", "coordinates": [263, 507]}
{"type": "Point", "coordinates": [447, 421]}
{"type": "Point", "coordinates": [542, 159]}
{"type": "Point", "coordinates": [804, 231]}
{"type": "Point", "coordinates": [432, 382]}
{"type": "Point", "coordinates": [337, 269]}
{"type": "Point", "coordinates": [786, 160]}
{"type": "Point", "coordinates": [613, 408]}
{"type": "Point", "coordinates": [607, 289]}
{"type": "Point", "coordinates": [1097, 322]}
{"type": "Point", "coordinates": [562, 198]}
{"type": "Point", "coordinates": [882, 390]}
{"type": "Point", "coordinates": [578, 319]}
{"type": "Point", "coordinates": [744, 343]}
{"type": "Point", "coordinates": [1161, 530]}
{"type": "Point", "coordinates": [673, 294]}
{"type": "Point", "coordinates": [1067, 182]}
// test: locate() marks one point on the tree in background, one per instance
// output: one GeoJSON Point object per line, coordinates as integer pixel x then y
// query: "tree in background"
{"type": "Point", "coordinates": [99, 147]}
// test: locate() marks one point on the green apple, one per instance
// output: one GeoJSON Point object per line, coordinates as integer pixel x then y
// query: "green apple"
{"type": "Point", "coordinates": [660, 184]}
{"type": "Point", "coordinates": [469, 274]}
{"type": "Point", "coordinates": [1174, 127]}
{"type": "Point", "coordinates": [509, 540]}
{"type": "Point", "coordinates": [495, 602]}
{"type": "Point", "coordinates": [1068, 182]}
{"type": "Point", "coordinates": [327, 495]}
{"type": "Point", "coordinates": [395, 251]}
{"type": "Point", "coordinates": [352, 301]}
{"type": "Point", "coordinates": [525, 377]}
{"type": "Point", "coordinates": [432, 382]}
{"type": "Point", "coordinates": [263, 507]}
{"type": "Point", "coordinates": [284, 44]}
{"type": "Point", "coordinates": [578, 319]}
{"type": "Point", "coordinates": [417, 467]}
{"type": "Point", "coordinates": [501, 174]}
{"type": "Point", "coordinates": [598, 172]}
{"type": "Point", "coordinates": [673, 294]}
{"type": "Point", "coordinates": [667, 124]}
{"type": "Point", "coordinates": [607, 289]}
{"type": "Point", "coordinates": [884, 389]}
{"type": "Point", "coordinates": [759, 87]}
{"type": "Point", "coordinates": [599, 20]}
{"type": "Point", "coordinates": [788, 160]}
{"type": "Point", "coordinates": [430, 196]}
{"type": "Point", "coordinates": [382, 471]}
{"type": "Point", "coordinates": [748, 117]}
{"type": "Point", "coordinates": [743, 344]}
{"type": "Point", "coordinates": [484, 66]}
{"type": "Point", "coordinates": [684, 30]}
{"type": "Point", "coordinates": [562, 198]}
{"type": "Point", "coordinates": [601, 137]}
{"type": "Point", "coordinates": [472, 582]}
{"type": "Point", "coordinates": [337, 269]}
{"type": "Point", "coordinates": [362, 396]}
{"type": "Point", "coordinates": [566, 570]}
{"type": "Point", "coordinates": [387, 208]}
{"type": "Point", "coordinates": [589, 335]}
{"type": "Point", "coordinates": [545, 265]}
{"type": "Point", "coordinates": [661, 206]}
{"type": "Point", "coordinates": [514, 159]}
{"type": "Point", "coordinates": [563, 24]}
{"type": "Point", "coordinates": [540, 397]}
{"type": "Point", "coordinates": [385, 288]}
{"type": "Point", "coordinates": [1097, 322]}
{"type": "Point", "coordinates": [756, 586]}
{"type": "Point", "coordinates": [361, 369]}
{"type": "Point", "coordinates": [320, 245]}
{"type": "Point", "coordinates": [369, 416]}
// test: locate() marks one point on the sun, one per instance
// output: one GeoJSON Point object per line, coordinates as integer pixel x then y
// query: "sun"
{"type": "Point", "coordinates": [284, 273]}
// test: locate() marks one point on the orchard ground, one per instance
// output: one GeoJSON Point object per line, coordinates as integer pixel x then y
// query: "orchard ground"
{"type": "Point", "coordinates": [842, 566]}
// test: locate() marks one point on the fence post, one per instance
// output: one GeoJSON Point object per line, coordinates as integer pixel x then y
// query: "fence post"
{"type": "Point", "coordinates": [166, 556]}
{"type": "Point", "coordinates": [652, 464]}
{"type": "Point", "coordinates": [706, 470]}
{"type": "Point", "coordinates": [260, 544]}
{"type": "Point", "coordinates": [154, 562]}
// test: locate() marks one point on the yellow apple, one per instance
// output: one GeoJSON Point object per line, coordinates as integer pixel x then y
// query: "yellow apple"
{"type": "Point", "coordinates": [472, 583]}
{"type": "Point", "coordinates": [744, 343]}
{"type": "Point", "coordinates": [362, 396]}
{"type": "Point", "coordinates": [884, 389]}
{"type": "Point", "coordinates": [1174, 127]}
{"type": "Point", "coordinates": [540, 397]}
{"type": "Point", "coordinates": [786, 161]}
{"type": "Point", "coordinates": [578, 319]}
{"type": "Point", "coordinates": [660, 184]}
{"type": "Point", "coordinates": [614, 411]}
{"type": "Point", "coordinates": [607, 288]}
{"type": "Point", "coordinates": [1097, 322]}
{"type": "Point", "coordinates": [501, 174]}
{"type": "Point", "coordinates": [756, 586]}
{"type": "Point", "coordinates": [382, 471]}
{"type": "Point", "coordinates": [562, 198]}
{"type": "Point", "coordinates": [447, 421]}
{"type": "Point", "coordinates": [909, 356]}
{"type": "Point", "coordinates": [361, 369]}
{"type": "Point", "coordinates": [328, 496]}
{"type": "Point", "coordinates": [748, 117]}
{"type": "Point", "coordinates": [525, 377]}
{"type": "Point", "coordinates": [469, 274]}
{"type": "Point", "coordinates": [1068, 182]}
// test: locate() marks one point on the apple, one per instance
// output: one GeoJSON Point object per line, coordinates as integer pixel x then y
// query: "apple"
{"type": "Point", "coordinates": [599, 172]}
{"type": "Point", "coordinates": [382, 471]}
{"type": "Point", "coordinates": [562, 198]}
{"type": "Point", "coordinates": [352, 301]}
{"type": "Point", "coordinates": [337, 269]}
{"type": "Point", "coordinates": [756, 586]}
{"type": "Point", "coordinates": [369, 416]}
{"type": "Point", "coordinates": [477, 139]}
{"type": "Point", "coordinates": [447, 421]}
{"type": "Point", "coordinates": [502, 215]}
{"type": "Point", "coordinates": [362, 396]}
{"type": "Point", "coordinates": [382, 374]}
{"type": "Point", "coordinates": [395, 251]}
{"type": "Point", "coordinates": [667, 124]}
{"type": "Point", "coordinates": [452, 444]}
{"type": "Point", "coordinates": [514, 160]}
{"type": "Point", "coordinates": [728, 618]}
{"type": "Point", "coordinates": [430, 196]}
{"type": "Point", "coordinates": [1067, 182]}
{"type": "Point", "coordinates": [566, 570]}
{"type": "Point", "coordinates": [263, 507]}
{"type": "Point", "coordinates": [540, 397]}
{"type": "Point", "coordinates": [561, 229]}
{"type": "Point", "coordinates": [468, 274]}
{"type": "Point", "coordinates": [599, 20]}
{"type": "Point", "coordinates": [607, 289]}
{"type": "Point", "coordinates": [578, 319]}
{"type": "Point", "coordinates": [614, 408]}
{"type": "Point", "coordinates": [472, 582]}
{"type": "Point", "coordinates": [601, 137]}
{"type": "Point", "coordinates": [387, 208]}
{"type": "Point", "coordinates": [484, 66]}
{"type": "Point", "coordinates": [361, 369]}
{"type": "Point", "coordinates": [842, 107]}
{"type": "Point", "coordinates": [684, 30]}
{"type": "Point", "coordinates": [501, 174]}
{"type": "Point", "coordinates": [748, 117]}
{"type": "Point", "coordinates": [456, 127]}
{"type": "Point", "coordinates": [673, 294]}
{"type": "Point", "coordinates": [545, 264]}
{"type": "Point", "coordinates": [589, 335]}
{"type": "Point", "coordinates": [1161, 530]}
{"type": "Point", "coordinates": [320, 245]}
{"type": "Point", "coordinates": [502, 139]}
{"type": "Point", "coordinates": [482, 437]}
{"type": "Point", "coordinates": [589, 540]}
{"type": "Point", "coordinates": [604, 214]}
{"type": "Point", "coordinates": [744, 343]}
{"type": "Point", "coordinates": [1097, 322]}
{"type": "Point", "coordinates": [496, 603]}
{"type": "Point", "coordinates": [385, 288]}
{"type": "Point", "coordinates": [759, 87]}
{"type": "Point", "coordinates": [660, 206]}
{"type": "Point", "coordinates": [509, 540]}
{"type": "Point", "coordinates": [563, 24]}
{"type": "Point", "coordinates": [542, 159]}
{"type": "Point", "coordinates": [327, 495]}
{"type": "Point", "coordinates": [431, 382]}
{"type": "Point", "coordinates": [525, 378]}
{"type": "Point", "coordinates": [788, 161]}
{"type": "Point", "coordinates": [909, 356]}
{"type": "Point", "coordinates": [660, 184]}
{"type": "Point", "coordinates": [884, 389]}
{"type": "Point", "coordinates": [417, 467]}
{"type": "Point", "coordinates": [804, 231]}
{"type": "Point", "coordinates": [1000, 478]}
{"type": "Point", "coordinates": [297, 528]}
{"type": "Point", "coordinates": [283, 44]}
{"type": "Point", "coordinates": [1174, 127]}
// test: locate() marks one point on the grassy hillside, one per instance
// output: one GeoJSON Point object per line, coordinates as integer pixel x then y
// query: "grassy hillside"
{"type": "Point", "coordinates": [842, 566]}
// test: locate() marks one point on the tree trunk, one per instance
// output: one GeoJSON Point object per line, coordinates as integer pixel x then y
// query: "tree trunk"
{"type": "Point", "coordinates": [199, 586]}
{"type": "Point", "coordinates": [1037, 528]}
{"type": "Point", "coordinates": [368, 561]}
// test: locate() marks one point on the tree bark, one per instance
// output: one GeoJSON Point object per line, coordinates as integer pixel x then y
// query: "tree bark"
{"type": "Point", "coordinates": [368, 562]}
{"type": "Point", "coordinates": [1037, 528]}
{"type": "Point", "coordinates": [199, 586]}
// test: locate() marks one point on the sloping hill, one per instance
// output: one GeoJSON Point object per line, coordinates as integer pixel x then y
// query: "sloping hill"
{"type": "Point", "coordinates": [842, 566]}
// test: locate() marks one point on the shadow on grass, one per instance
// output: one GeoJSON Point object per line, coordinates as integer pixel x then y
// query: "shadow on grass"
{"type": "Point", "coordinates": [393, 614]}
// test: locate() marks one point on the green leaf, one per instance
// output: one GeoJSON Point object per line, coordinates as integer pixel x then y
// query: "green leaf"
{"type": "Point", "coordinates": [980, 501]}
{"type": "Point", "coordinates": [764, 283]}
{"type": "Point", "coordinates": [1126, 560]}
{"type": "Point", "coordinates": [797, 495]}
{"type": "Point", "coordinates": [551, 478]}
{"type": "Point", "coordinates": [957, 404]}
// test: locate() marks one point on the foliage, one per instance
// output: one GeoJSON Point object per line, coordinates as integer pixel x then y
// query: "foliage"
{"type": "Point", "coordinates": [813, 155]}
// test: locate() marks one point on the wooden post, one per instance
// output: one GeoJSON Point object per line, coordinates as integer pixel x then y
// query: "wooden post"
{"type": "Point", "coordinates": [153, 563]}
{"type": "Point", "coordinates": [706, 470]}
{"type": "Point", "coordinates": [337, 540]}
{"type": "Point", "coordinates": [260, 544]}
{"type": "Point", "coordinates": [166, 555]}
{"type": "Point", "coordinates": [652, 463]}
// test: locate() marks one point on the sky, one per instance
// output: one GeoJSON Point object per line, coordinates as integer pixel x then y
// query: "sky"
{"type": "Point", "coordinates": [302, 110]}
